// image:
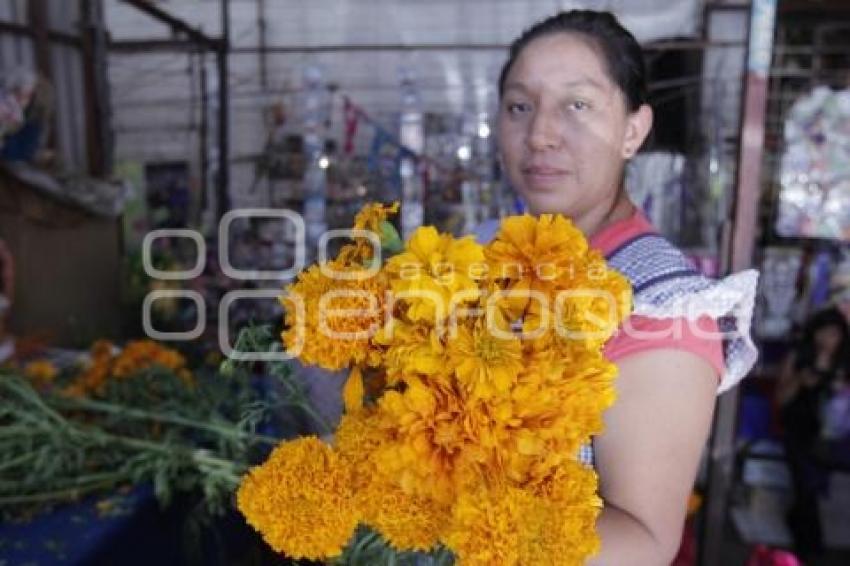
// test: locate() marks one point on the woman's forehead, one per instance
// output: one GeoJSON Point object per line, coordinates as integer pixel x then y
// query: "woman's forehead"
{"type": "Point", "coordinates": [564, 60]}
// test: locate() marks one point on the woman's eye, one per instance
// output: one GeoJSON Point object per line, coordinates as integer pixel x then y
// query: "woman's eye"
{"type": "Point", "coordinates": [518, 107]}
{"type": "Point", "coordinates": [579, 105]}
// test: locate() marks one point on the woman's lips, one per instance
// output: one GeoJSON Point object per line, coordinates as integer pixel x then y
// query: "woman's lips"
{"type": "Point", "coordinates": [544, 176]}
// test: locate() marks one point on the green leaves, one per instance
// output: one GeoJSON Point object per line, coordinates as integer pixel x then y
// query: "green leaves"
{"type": "Point", "coordinates": [368, 548]}
{"type": "Point", "coordinates": [390, 239]}
{"type": "Point", "coordinates": [151, 427]}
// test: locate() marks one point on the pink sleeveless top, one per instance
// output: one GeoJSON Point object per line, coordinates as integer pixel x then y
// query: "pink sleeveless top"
{"type": "Point", "coordinates": [641, 333]}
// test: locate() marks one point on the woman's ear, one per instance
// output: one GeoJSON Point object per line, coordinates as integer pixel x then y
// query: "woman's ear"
{"type": "Point", "coordinates": [638, 127]}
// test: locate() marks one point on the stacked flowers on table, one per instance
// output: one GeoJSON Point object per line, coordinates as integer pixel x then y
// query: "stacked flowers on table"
{"type": "Point", "coordinates": [476, 375]}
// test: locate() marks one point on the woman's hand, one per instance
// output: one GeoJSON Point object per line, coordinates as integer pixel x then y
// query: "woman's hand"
{"type": "Point", "coordinates": [648, 456]}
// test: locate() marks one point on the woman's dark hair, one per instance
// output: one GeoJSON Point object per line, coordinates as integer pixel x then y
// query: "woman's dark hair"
{"type": "Point", "coordinates": [622, 53]}
{"type": "Point", "coordinates": [807, 348]}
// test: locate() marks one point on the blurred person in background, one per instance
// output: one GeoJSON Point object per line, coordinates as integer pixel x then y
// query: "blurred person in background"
{"type": "Point", "coordinates": [814, 372]}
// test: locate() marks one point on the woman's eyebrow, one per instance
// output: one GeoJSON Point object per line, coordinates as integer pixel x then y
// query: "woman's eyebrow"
{"type": "Point", "coordinates": [583, 81]}
{"type": "Point", "coordinates": [514, 85]}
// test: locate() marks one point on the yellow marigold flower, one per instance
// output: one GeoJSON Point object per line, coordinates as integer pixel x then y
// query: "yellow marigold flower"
{"type": "Point", "coordinates": [572, 507]}
{"type": "Point", "coordinates": [407, 522]}
{"type": "Point", "coordinates": [93, 379]}
{"type": "Point", "coordinates": [490, 526]}
{"type": "Point", "coordinates": [435, 274]}
{"type": "Point", "coordinates": [136, 356]}
{"type": "Point", "coordinates": [484, 363]}
{"type": "Point", "coordinates": [410, 349]}
{"type": "Point", "coordinates": [371, 216]}
{"type": "Point", "coordinates": [340, 316]}
{"type": "Point", "coordinates": [358, 435]}
{"type": "Point", "coordinates": [41, 371]}
{"type": "Point", "coordinates": [139, 355]}
{"type": "Point", "coordinates": [352, 392]}
{"type": "Point", "coordinates": [546, 417]}
{"type": "Point", "coordinates": [300, 500]}
{"type": "Point", "coordinates": [595, 304]}
{"type": "Point", "coordinates": [356, 441]}
{"type": "Point", "coordinates": [432, 448]}
{"type": "Point", "coordinates": [512, 526]}
{"type": "Point", "coordinates": [101, 349]}
{"type": "Point", "coordinates": [535, 255]}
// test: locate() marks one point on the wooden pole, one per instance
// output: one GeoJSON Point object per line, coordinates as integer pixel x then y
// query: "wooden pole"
{"type": "Point", "coordinates": [740, 256]}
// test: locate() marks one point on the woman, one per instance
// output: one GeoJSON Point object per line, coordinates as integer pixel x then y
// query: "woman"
{"type": "Point", "coordinates": [813, 371]}
{"type": "Point", "coordinates": [572, 111]}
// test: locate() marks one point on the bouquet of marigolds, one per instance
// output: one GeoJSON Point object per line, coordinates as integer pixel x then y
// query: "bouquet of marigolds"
{"type": "Point", "coordinates": [476, 375]}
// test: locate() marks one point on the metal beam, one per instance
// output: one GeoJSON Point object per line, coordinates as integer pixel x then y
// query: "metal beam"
{"type": "Point", "coordinates": [98, 111]}
{"type": "Point", "coordinates": [38, 19]}
{"type": "Point", "coordinates": [738, 257]}
{"type": "Point", "coordinates": [223, 200]}
{"type": "Point", "coordinates": [147, 46]}
{"type": "Point", "coordinates": [204, 131]}
{"type": "Point", "coordinates": [28, 31]}
{"type": "Point", "coordinates": [38, 23]}
{"type": "Point", "coordinates": [177, 25]}
{"type": "Point", "coordinates": [262, 26]}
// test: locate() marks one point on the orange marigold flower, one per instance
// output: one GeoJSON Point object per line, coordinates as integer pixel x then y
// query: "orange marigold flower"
{"type": "Point", "coordinates": [435, 274]}
{"type": "Point", "coordinates": [301, 500]}
{"type": "Point", "coordinates": [535, 255]}
{"type": "Point", "coordinates": [331, 320]}
{"type": "Point", "coordinates": [406, 521]}
{"type": "Point", "coordinates": [371, 216]}
{"type": "Point", "coordinates": [433, 439]}
{"type": "Point", "coordinates": [410, 349]}
{"type": "Point", "coordinates": [41, 371]}
{"type": "Point", "coordinates": [513, 526]}
{"type": "Point", "coordinates": [485, 363]}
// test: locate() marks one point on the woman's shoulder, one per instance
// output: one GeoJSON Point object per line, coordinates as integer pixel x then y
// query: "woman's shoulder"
{"type": "Point", "coordinates": [675, 305]}
{"type": "Point", "coordinates": [634, 248]}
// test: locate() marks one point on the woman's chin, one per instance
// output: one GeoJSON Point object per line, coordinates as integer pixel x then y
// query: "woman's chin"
{"type": "Point", "coordinates": [546, 203]}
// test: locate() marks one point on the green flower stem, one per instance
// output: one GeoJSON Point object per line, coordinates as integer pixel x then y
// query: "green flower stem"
{"type": "Point", "coordinates": [16, 432]}
{"type": "Point", "coordinates": [60, 494]}
{"type": "Point", "coordinates": [313, 414]}
{"type": "Point", "coordinates": [18, 387]}
{"type": "Point", "coordinates": [22, 459]}
{"type": "Point", "coordinates": [77, 481]}
{"type": "Point", "coordinates": [139, 414]}
{"type": "Point", "coordinates": [226, 468]}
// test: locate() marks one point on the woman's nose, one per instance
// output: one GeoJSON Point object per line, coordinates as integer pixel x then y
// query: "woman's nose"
{"type": "Point", "coordinates": [543, 133]}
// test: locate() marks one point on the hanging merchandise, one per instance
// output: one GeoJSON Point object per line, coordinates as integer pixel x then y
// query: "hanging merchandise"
{"type": "Point", "coordinates": [814, 198]}
{"type": "Point", "coordinates": [350, 119]}
{"type": "Point", "coordinates": [778, 289]}
{"type": "Point", "coordinates": [819, 278]}
{"type": "Point", "coordinates": [26, 109]}
{"type": "Point", "coordinates": [655, 183]}
{"type": "Point", "coordinates": [385, 162]}
{"type": "Point", "coordinates": [314, 119]}
{"type": "Point", "coordinates": [412, 136]}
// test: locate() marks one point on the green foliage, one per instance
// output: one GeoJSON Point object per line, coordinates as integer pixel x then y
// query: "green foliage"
{"type": "Point", "coordinates": [151, 427]}
{"type": "Point", "coordinates": [368, 548]}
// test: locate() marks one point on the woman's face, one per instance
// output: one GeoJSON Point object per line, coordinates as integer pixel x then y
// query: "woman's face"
{"type": "Point", "coordinates": [564, 128]}
{"type": "Point", "coordinates": [828, 338]}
